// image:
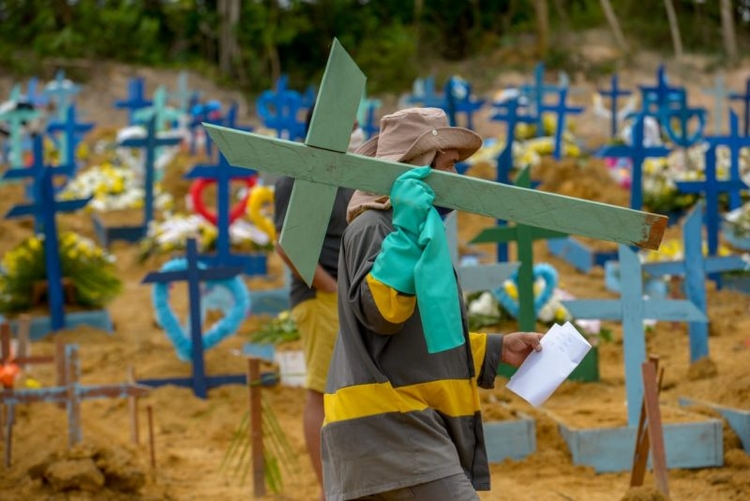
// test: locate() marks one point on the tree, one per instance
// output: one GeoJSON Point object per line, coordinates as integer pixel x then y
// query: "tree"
{"type": "Point", "coordinates": [614, 25]}
{"type": "Point", "coordinates": [727, 29]}
{"type": "Point", "coordinates": [674, 28]}
{"type": "Point", "coordinates": [542, 26]}
{"type": "Point", "coordinates": [229, 17]}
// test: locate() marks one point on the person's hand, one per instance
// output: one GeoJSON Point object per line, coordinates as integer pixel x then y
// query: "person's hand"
{"type": "Point", "coordinates": [518, 345]}
{"type": "Point", "coordinates": [411, 199]}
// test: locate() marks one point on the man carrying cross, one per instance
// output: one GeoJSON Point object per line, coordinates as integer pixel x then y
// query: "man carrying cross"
{"type": "Point", "coordinates": [402, 414]}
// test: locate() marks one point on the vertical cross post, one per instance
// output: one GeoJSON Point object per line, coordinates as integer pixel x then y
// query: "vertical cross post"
{"type": "Point", "coordinates": [135, 100]}
{"type": "Point", "coordinates": [614, 93]}
{"type": "Point", "coordinates": [459, 99]}
{"type": "Point", "coordinates": [720, 94]}
{"type": "Point", "coordinates": [735, 143]}
{"type": "Point", "coordinates": [662, 96]}
{"type": "Point", "coordinates": [745, 99]}
{"type": "Point", "coordinates": [72, 133]}
{"type": "Point", "coordinates": [61, 91]}
{"type": "Point", "coordinates": [536, 92]}
{"type": "Point", "coordinates": [561, 110]}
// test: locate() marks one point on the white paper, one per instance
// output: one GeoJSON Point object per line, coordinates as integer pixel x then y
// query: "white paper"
{"type": "Point", "coordinates": [563, 348]}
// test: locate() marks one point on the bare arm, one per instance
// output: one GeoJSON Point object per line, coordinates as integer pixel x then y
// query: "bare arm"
{"type": "Point", "coordinates": [322, 280]}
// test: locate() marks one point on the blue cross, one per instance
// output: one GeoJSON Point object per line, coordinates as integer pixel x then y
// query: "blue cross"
{"type": "Point", "coordinates": [33, 95]}
{"type": "Point", "coordinates": [279, 110]}
{"type": "Point", "coordinates": [632, 309]}
{"type": "Point", "coordinates": [720, 94]}
{"type": "Point", "coordinates": [163, 114]}
{"type": "Point", "coordinates": [536, 93]}
{"type": "Point", "coordinates": [711, 188]}
{"type": "Point", "coordinates": [735, 142]}
{"type": "Point", "coordinates": [223, 173]}
{"type": "Point", "coordinates": [637, 153]}
{"type": "Point", "coordinates": [44, 209]}
{"type": "Point", "coordinates": [683, 138]}
{"type": "Point", "coordinates": [61, 92]}
{"type": "Point", "coordinates": [135, 100]}
{"type": "Point", "coordinates": [425, 95]}
{"type": "Point", "coordinates": [459, 100]}
{"type": "Point", "coordinates": [366, 116]}
{"type": "Point", "coordinates": [694, 267]}
{"type": "Point", "coordinates": [745, 98]}
{"type": "Point", "coordinates": [183, 95]}
{"type": "Point", "coordinates": [193, 275]}
{"type": "Point", "coordinates": [73, 132]}
{"type": "Point", "coordinates": [561, 110]}
{"type": "Point", "coordinates": [663, 96]}
{"type": "Point", "coordinates": [614, 93]}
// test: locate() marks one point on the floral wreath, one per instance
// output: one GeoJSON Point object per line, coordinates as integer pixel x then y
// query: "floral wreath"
{"type": "Point", "coordinates": [225, 327]}
{"type": "Point", "coordinates": [507, 295]}
{"type": "Point", "coordinates": [196, 189]}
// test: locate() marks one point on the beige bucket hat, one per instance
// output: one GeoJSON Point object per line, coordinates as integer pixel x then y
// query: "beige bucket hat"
{"type": "Point", "coordinates": [415, 135]}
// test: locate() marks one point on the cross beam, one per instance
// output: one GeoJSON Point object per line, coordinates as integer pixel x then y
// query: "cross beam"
{"type": "Point", "coordinates": [325, 166]}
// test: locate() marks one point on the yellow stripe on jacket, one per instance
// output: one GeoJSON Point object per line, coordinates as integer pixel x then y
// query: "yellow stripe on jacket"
{"type": "Point", "coordinates": [392, 305]}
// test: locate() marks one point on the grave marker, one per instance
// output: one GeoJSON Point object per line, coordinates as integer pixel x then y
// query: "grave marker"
{"type": "Point", "coordinates": [135, 100]}
{"type": "Point", "coordinates": [61, 91]}
{"type": "Point", "coordinates": [16, 117]}
{"type": "Point", "coordinates": [745, 99]}
{"type": "Point", "coordinates": [735, 143]}
{"type": "Point", "coordinates": [561, 110]}
{"type": "Point", "coordinates": [720, 94]}
{"type": "Point", "coordinates": [536, 93]}
{"type": "Point", "coordinates": [614, 93]}
{"type": "Point", "coordinates": [72, 131]}
{"type": "Point", "coordinates": [279, 110]}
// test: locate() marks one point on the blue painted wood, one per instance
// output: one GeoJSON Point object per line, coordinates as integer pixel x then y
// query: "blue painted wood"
{"type": "Point", "coordinates": [687, 445]}
{"type": "Point", "coordinates": [224, 173]}
{"type": "Point", "coordinates": [159, 112]}
{"type": "Point", "coordinates": [614, 93]}
{"type": "Point", "coordinates": [73, 131]}
{"type": "Point", "coordinates": [367, 115]}
{"type": "Point", "coordinates": [460, 102]}
{"type": "Point", "coordinates": [683, 115]}
{"type": "Point", "coordinates": [656, 288]}
{"type": "Point", "coordinates": [135, 100]}
{"type": "Point", "coordinates": [738, 419]}
{"type": "Point", "coordinates": [60, 92]}
{"type": "Point", "coordinates": [720, 94]}
{"type": "Point", "coordinates": [637, 153]}
{"type": "Point", "coordinates": [41, 326]}
{"type": "Point", "coordinates": [710, 189]}
{"type": "Point", "coordinates": [280, 110]}
{"type": "Point", "coordinates": [16, 117]}
{"type": "Point", "coordinates": [424, 94]}
{"type": "Point", "coordinates": [662, 96]}
{"type": "Point", "coordinates": [194, 275]}
{"type": "Point", "coordinates": [579, 255]}
{"type": "Point", "coordinates": [149, 143]}
{"type": "Point", "coordinates": [44, 209]}
{"type": "Point", "coordinates": [34, 95]}
{"type": "Point", "coordinates": [632, 310]}
{"type": "Point", "coordinates": [694, 267]}
{"type": "Point", "coordinates": [745, 99]}
{"type": "Point", "coordinates": [561, 110]}
{"type": "Point", "coordinates": [536, 92]}
{"type": "Point", "coordinates": [513, 439]}
{"type": "Point", "coordinates": [183, 96]}
{"type": "Point", "coordinates": [735, 143]}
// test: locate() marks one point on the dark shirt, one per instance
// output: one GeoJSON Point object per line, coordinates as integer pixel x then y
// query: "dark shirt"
{"type": "Point", "coordinates": [329, 254]}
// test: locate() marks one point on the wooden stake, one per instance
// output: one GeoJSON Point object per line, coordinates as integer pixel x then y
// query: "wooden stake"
{"type": "Point", "coordinates": [650, 434]}
{"type": "Point", "coordinates": [151, 446]}
{"type": "Point", "coordinates": [256, 427]}
{"type": "Point", "coordinates": [133, 410]}
{"type": "Point", "coordinates": [60, 365]}
{"type": "Point", "coordinates": [10, 415]}
{"type": "Point", "coordinates": [73, 400]}
{"type": "Point", "coordinates": [24, 339]}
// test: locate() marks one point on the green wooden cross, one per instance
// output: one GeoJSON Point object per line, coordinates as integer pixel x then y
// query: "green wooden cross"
{"type": "Point", "coordinates": [524, 237]}
{"type": "Point", "coordinates": [321, 165]}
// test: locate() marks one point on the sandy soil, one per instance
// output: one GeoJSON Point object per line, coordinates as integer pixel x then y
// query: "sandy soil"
{"type": "Point", "coordinates": [192, 436]}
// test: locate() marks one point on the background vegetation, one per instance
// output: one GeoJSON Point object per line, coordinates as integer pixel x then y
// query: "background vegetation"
{"type": "Point", "coordinates": [251, 42]}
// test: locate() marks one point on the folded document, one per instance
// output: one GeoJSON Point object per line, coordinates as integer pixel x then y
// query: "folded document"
{"type": "Point", "coordinates": [563, 348]}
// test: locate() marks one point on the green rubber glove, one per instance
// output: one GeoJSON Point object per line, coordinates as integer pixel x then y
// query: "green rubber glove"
{"type": "Point", "coordinates": [411, 199]}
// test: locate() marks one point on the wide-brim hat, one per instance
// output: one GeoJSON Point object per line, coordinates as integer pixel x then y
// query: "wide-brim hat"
{"type": "Point", "coordinates": [415, 135]}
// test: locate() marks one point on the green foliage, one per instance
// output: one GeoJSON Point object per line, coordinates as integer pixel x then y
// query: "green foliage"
{"type": "Point", "coordinates": [280, 329]}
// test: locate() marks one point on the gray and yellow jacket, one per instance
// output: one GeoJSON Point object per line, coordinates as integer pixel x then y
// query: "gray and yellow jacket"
{"type": "Point", "coordinates": [396, 415]}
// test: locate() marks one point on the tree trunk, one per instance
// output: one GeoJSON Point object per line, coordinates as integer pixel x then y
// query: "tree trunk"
{"type": "Point", "coordinates": [542, 26]}
{"type": "Point", "coordinates": [229, 16]}
{"type": "Point", "coordinates": [727, 29]}
{"type": "Point", "coordinates": [674, 28]}
{"type": "Point", "coordinates": [614, 25]}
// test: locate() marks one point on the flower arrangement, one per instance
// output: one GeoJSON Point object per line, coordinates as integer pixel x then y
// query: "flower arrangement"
{"type": "Point", "coordinates": [737, 222]}
{"type": "Point", "coordinates": [89, 269]}
{"type": "Point", "coordinates": [113, 188]}
{"type": "Point", "coordinates": [280, 329]}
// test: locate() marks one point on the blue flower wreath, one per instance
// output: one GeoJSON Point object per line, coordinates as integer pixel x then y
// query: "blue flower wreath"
{"type": "Point", "coordinates": [541, 270]}
{"type": "Point", "coordinates": [225, 327]}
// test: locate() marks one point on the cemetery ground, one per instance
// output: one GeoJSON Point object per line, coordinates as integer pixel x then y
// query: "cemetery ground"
{"type": "Point", "coordinates": [192, 436]}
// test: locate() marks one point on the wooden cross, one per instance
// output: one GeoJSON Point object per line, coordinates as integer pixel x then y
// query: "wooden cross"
{"type": "Point", "coordinates": [193, 275]}
{"type": "Point", "coordinates": [72, 393]}
{"type": "Point", "coordinates": [44, 209]}
{"type": "Point", "coordinates": [425, 94]}
{"type": "Point", "coordinates": [321, 165]}
{"type": "Point", "coordinates": [33, 95]}
{"type": "Point", "coordinates": [561, 110]}
{"type": "Point", "coordinates": [711, 188]}
{"type": "Point", "coordinates": [632, 309]}
{"type": "Point", "coordinates": [223, 173]}
{"type": "Point", "coordinates": [662, 96]}
{"type": "Point", "coordinates": [72, 133]}
{"type": "Point", "coordinates": [61, 91]}
{"type": "Point", "coordinates": [650, 434]}
{"type": "Point", "coordinates": [183, 95]}
{"type": "Point", "coordinates": [458, 99]}
{"type": "Point", "coordinates": [637, 153]}
{"type": "Point", "coordinates": [614, 93]}
{"type": "Point", "coordinates": [745, 98]}
{"type": "Point", "coordinates": [158, 111]}
{"type": "Point", "coordinates": [536, 93]}
{"type": "Point", "coordinates": [735, 143]}
{"type": "Point", "coordinates": [720, 94]}
{"type": "Point", "coordinates": [16, 118]}
{"type": "Point", "coordinates": [149, 143]}
{"type": "Point", "coordinates": [479, 277]}
{"type": "Point", "coordinates": [135, 100]}
{"type": "Point", "coordinates": [694, 267]}
{"type": "Point", "coordinates": [279, 109]}
{"type": "Point", "coordinates": [683, 115]}
{"type": "Point", "coordinates": [524, 237]}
